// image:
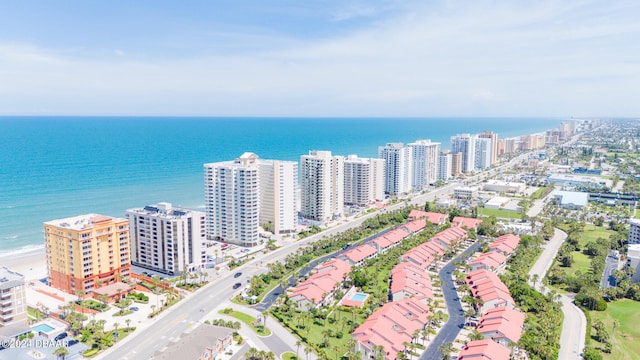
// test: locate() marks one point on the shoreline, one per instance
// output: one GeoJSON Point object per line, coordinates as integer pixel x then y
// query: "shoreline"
{"type": "Point", "coordinates": [31, 263]}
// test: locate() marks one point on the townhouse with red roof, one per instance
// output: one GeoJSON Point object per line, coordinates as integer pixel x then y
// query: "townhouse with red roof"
{"type": "Point", "coordinates": [506, 244]}
{"type": "Point", "coordinates": [464, 222]}
{"type": "Point", "coordinates": [488, 287]}
{"type": "Point", "coordinates": [484, 350]}
{"type": "Point", "coordinates": [502, 325]}
{"type": "Point", "coordinates": [491, 260]}
{"type": "Point", "coordinates": [358, 255]}
{"type": "Point", "coordinates": [320, 287]}
{"type": "Point", "coordinates": [450, 237]}
{"type": "Point", "coordinates": [424, 254]}
{"type": "Point", "coordinates": [415, 226]}
{"type": "Point", "coordinates": [432, 217]}
{"type": "Point", "coordinates": [390, 239]}
{"type": "Point", "coordinates": [409, 280]}
{"type": "Point", "coordinates": [390, 327]}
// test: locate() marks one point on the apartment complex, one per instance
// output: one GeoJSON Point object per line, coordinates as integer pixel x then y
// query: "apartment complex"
{"type": "Point", "coordinates": [167, 239]}
{"type": "Point", "coordinates": [242, 194]}
{"type": "Point", "coordinates": [13, 306]}
{"type": "Point", "coordinates": [465, 144]}
{"type": "Point", "coordinates": [425, 156]}
{"type": "Point", "coordinates": [363, 180]}
{"type": "Point", "coordinates": [398, 168]}
{"type": "Point", "coordinates": [634, 231]}
{"type": "Point", "coordinates": [321, 185]}
{"type": "Point", "coordinates": [86, 250]}
{"type": "Point", "coordinates": [483, 153]}
{"type": "Point", "coordinates": [445, 164]}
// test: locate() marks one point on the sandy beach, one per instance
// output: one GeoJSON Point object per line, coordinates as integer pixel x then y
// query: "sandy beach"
{"type": "Point", "coordinates": [32, 264]}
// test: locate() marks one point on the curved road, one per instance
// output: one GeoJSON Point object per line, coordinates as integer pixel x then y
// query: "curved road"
{"type": "Point", "coordinates": [574, 327]}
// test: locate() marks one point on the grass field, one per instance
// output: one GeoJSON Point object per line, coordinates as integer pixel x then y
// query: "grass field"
{"type": "Point", "coordinates": [581, 262]}
{"type": "Point", "coordinates": [250, 320]}
{"type": "Point", "coordinates": [592, 232]}
{"type": "Point", "coordinates": [508, 214]}
{"type": "Point", "coordinates": [626, 337]}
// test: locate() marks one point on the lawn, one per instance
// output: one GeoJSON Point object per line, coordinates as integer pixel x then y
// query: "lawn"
{"type": "Point", "coordinates": [288, 356]}
{"type": "Point", "coordinates": [592, 232]}
{"type": "Point", "coordinates": [249, 320]}
{"type": "Point", "coordinates": [625, 338]}
{"type": "Point", "coordinates": [581, 262]}
{"type": "Point", "coordinates": [508, 214]}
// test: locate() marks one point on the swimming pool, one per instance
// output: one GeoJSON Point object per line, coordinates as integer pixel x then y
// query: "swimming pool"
{"type": "Point", "coordinates": [42, 328]}
{"type": "Point", "coordinates": [359, 297]}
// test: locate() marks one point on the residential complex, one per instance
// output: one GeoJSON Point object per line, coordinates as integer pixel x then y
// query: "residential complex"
{"type": "Point", "coordinates": [398, 168]}
{"type": "Point", "coordinates": [242, 194]}
{"type": "Point", "coordinates": [495, 145]}
{"type": "Point", "coordinates": [634, 231]}
{"type": "Point", "coordinates": [86, 251]}
{"type": "Point", "coordinates": [167, 239]}
{"type": "Point", "coordinates": [425, 156]}
{"type": "Point", "coordinates": [363, 180]}
{"type": "Point", "coordinates": [483, 153]}
{"type": "Point", "coordinates": [444, 165]}
{"type": "Point", "coordinates": [13, 305]}
{"type": "Point", "coordinates": [465, 144]}
{"type": "Point", "coordinates": [321, 186]}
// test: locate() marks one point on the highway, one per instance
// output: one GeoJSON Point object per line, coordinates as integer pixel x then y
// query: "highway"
{"type": "Point", "coordinates": [574, 327]}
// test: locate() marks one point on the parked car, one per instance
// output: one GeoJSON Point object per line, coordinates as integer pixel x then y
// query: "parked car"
{"type": "Point", "coordinates": [134, 308]}
{"type": "Point", "coordinates": [60, 336]}
{"type": "Point", "coordinates": [72, 342]}
{"type": "Point", "coordinates": [237, 275]}
{"type": "Point", "coordinates": [236, 285]}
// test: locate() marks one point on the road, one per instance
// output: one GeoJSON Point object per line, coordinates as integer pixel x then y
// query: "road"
{"type": "Point", "coordinates": [574, 327]}
{"type": "Point", "coordinates": [450, 330]}
{"type": "Point", "coordinates": [159, 332]}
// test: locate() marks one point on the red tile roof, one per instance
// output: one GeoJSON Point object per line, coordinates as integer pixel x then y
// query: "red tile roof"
{"type": "Point", "coordinates": [469, 223]}
{"type": "Point", "coordinates": [415, 225]}
{"type": "Point", "coordinates": [411, 279]}
{"type": "Point", "coordinates": [397, 235]}
{"type": "Point", "coordinates": [392, 325]}
{"type": "Point", "coordinates": [451, 235]}
{"type": "Point", "coordinates": [423, 254]}
{"type": "Point", "coordinates": [359, 253]}
{"type": "Point", "coordinates": [487, 286]}
{"type": "Point", "coordinates": [322, 282]}
{"type": "Point", "coordinates": [503, 320]}
{"type": "Point", "coordinates": [432, 217]}
{"type": "Point", "coordinates": [505, 243]}
{"type": "Point", "coordinates": [490, 260]}
{"type": "Point", "coordinates": [484, 350]}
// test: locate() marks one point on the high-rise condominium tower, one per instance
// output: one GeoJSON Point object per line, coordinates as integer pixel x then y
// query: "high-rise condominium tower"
{"type": "Point", "coordinates": [398, 168]}
{"type": "Point", "coordinates": [425, 156]}
{"type": "Point", "coordinates": [166, 238]}
{"type": "Point", "coordinates": [363, 180]}
{"type": "Point", "coordinates": [321, 185]}
{"type": "Point", "coordinates": [85, 250]}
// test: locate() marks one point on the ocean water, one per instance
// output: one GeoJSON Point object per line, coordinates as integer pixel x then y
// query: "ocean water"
{"type": "Point", "coordinates": [55, 167]}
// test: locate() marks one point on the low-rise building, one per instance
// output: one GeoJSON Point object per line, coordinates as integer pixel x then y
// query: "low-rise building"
{"type": "Point", "coordinates": [572, 200]}
{"type": "Point", "coordinates": [503, 325]}
{"type": "Point", "coordinates": [484, 350]}
{"type": "Point", "coordinates": [432, 217]}
{"type": "Point", "coordinates": [506, 244]}
{"type": "Point", "coordinates": [357, 256]}
{"type": "Point", "coordinates": [488, 287]}
{"type": "Point", "coordinates": [466, 223]}
{"type": "Point", "coordinates": [491, 260]}
{"type": "Point", "coordinates": [465, 193]}
{"type": "Point", "coordinates": [409, 280]}
{"type": "Point", "coordinates": [450, 237]}
{"type": "Point", "coordinates": [320, 287]}
{"type": "Point", "coordinates": [13, 304]}
{"type": "Point", "coordinates": [205, 342]}
{"type": "Point", "coordinates": [504, 186]}
{"type": "Point", "coordinates": [497, 202]}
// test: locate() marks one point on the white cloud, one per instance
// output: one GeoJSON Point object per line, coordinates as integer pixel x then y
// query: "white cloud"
{"type": "Point", "coordinates": [469, 58]}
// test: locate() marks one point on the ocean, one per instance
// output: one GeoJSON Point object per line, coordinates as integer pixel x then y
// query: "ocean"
{"type": "Point", "coordinates": [55, 167]}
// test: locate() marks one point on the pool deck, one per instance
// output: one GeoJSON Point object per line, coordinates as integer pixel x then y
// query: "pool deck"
{"type": "Point", "coordinates": [347, 299]}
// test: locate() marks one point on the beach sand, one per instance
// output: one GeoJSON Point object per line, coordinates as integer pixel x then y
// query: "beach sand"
{"type": "Point", "coordinates": [31, 264]}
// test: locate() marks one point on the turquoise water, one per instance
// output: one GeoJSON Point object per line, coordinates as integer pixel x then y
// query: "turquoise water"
{"type": "Point", "coordinates": [54, 167]}
{"type": "Point", "coordinates": [42, 327]}
{"type": "Point", "coordinates": [359, 297]}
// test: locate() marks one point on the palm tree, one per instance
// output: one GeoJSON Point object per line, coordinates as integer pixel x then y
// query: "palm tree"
{"type": "Point", "coordinates": [307, 351]}
{"type": "Point", "coordinates": [445, 350]}
{"type": "Point", "coordinates": [115, 326]}
{"type": "Point", "coordinates": [128, 321]}
{"type": "Point", "coordinates": [298, 343]}
{"type": "Point", "coordinates": [80, 294]}
{"type": "Point", "coordinates": [61, 352]}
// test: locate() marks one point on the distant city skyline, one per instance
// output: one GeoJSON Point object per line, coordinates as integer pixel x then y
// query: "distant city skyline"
{"type": "Point", "coordinates": [320, 58]}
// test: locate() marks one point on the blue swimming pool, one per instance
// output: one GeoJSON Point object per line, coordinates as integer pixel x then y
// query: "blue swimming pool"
{"type": "Point", "coordinates": [359, 297]}
{"type": "Point", "coordinates": [42, 328]}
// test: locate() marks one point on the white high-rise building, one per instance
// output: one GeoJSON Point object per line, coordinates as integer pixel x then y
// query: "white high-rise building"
{"type": "Point", "coordinates": [425, 156]}
{"type": "Point", "coordinates": [278, 194]}
{"type": "Point", "coordinates": [232, 200]}
{"type": "Point", "coordinates": [444, 165]}
{"type": "Point", "coordinates": [483, 148]}
{"type": "Point", "coordinates": [243, 194]}
{"type": "Point", "coordinates": [465, 144]}
{"type": "Point", "coordinates": [634, 231]}
{"type": "Point", "coordinates": [363, 180]}
{"type": "Point", "coordinates": [166, 238]}
{"type": "Point", "coordinates": [321, 186]}
{"type": "Point", "coordinates": [398, 169]}
{"type": "Point", "coordinates": [494, 144]}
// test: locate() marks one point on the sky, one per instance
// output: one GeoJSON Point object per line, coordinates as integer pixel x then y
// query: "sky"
{"type": "Point", "coordinates": [426, 58]}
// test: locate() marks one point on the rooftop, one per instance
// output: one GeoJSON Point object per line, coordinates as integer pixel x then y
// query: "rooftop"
{"type": "Point", "coordinates": [83, 222]}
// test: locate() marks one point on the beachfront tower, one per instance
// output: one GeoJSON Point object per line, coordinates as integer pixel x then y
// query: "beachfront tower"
{"type": "Point", "coordinates": [424, 156]}
{"type": "Point", "coordinates": [465, 145]}
{"type": "Point", "coordinates": [444, 165]}
{"type": "Point", "coordinates": [167, 239]}
{"type": "Point", "coordinates": [495, 144]}
{"type": "Point", "coordinates": [398, 168]}
{"type": "Point", "coordinates": [482, 156]}
{"type": "Point", "coordinates": [278, 195]}
{"type": "Point", "coordinates": [321, 186]}
{"type": "Point", "coordinates": [363, 180]}
{"type": "Point", "coordinates": [86, 251]}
